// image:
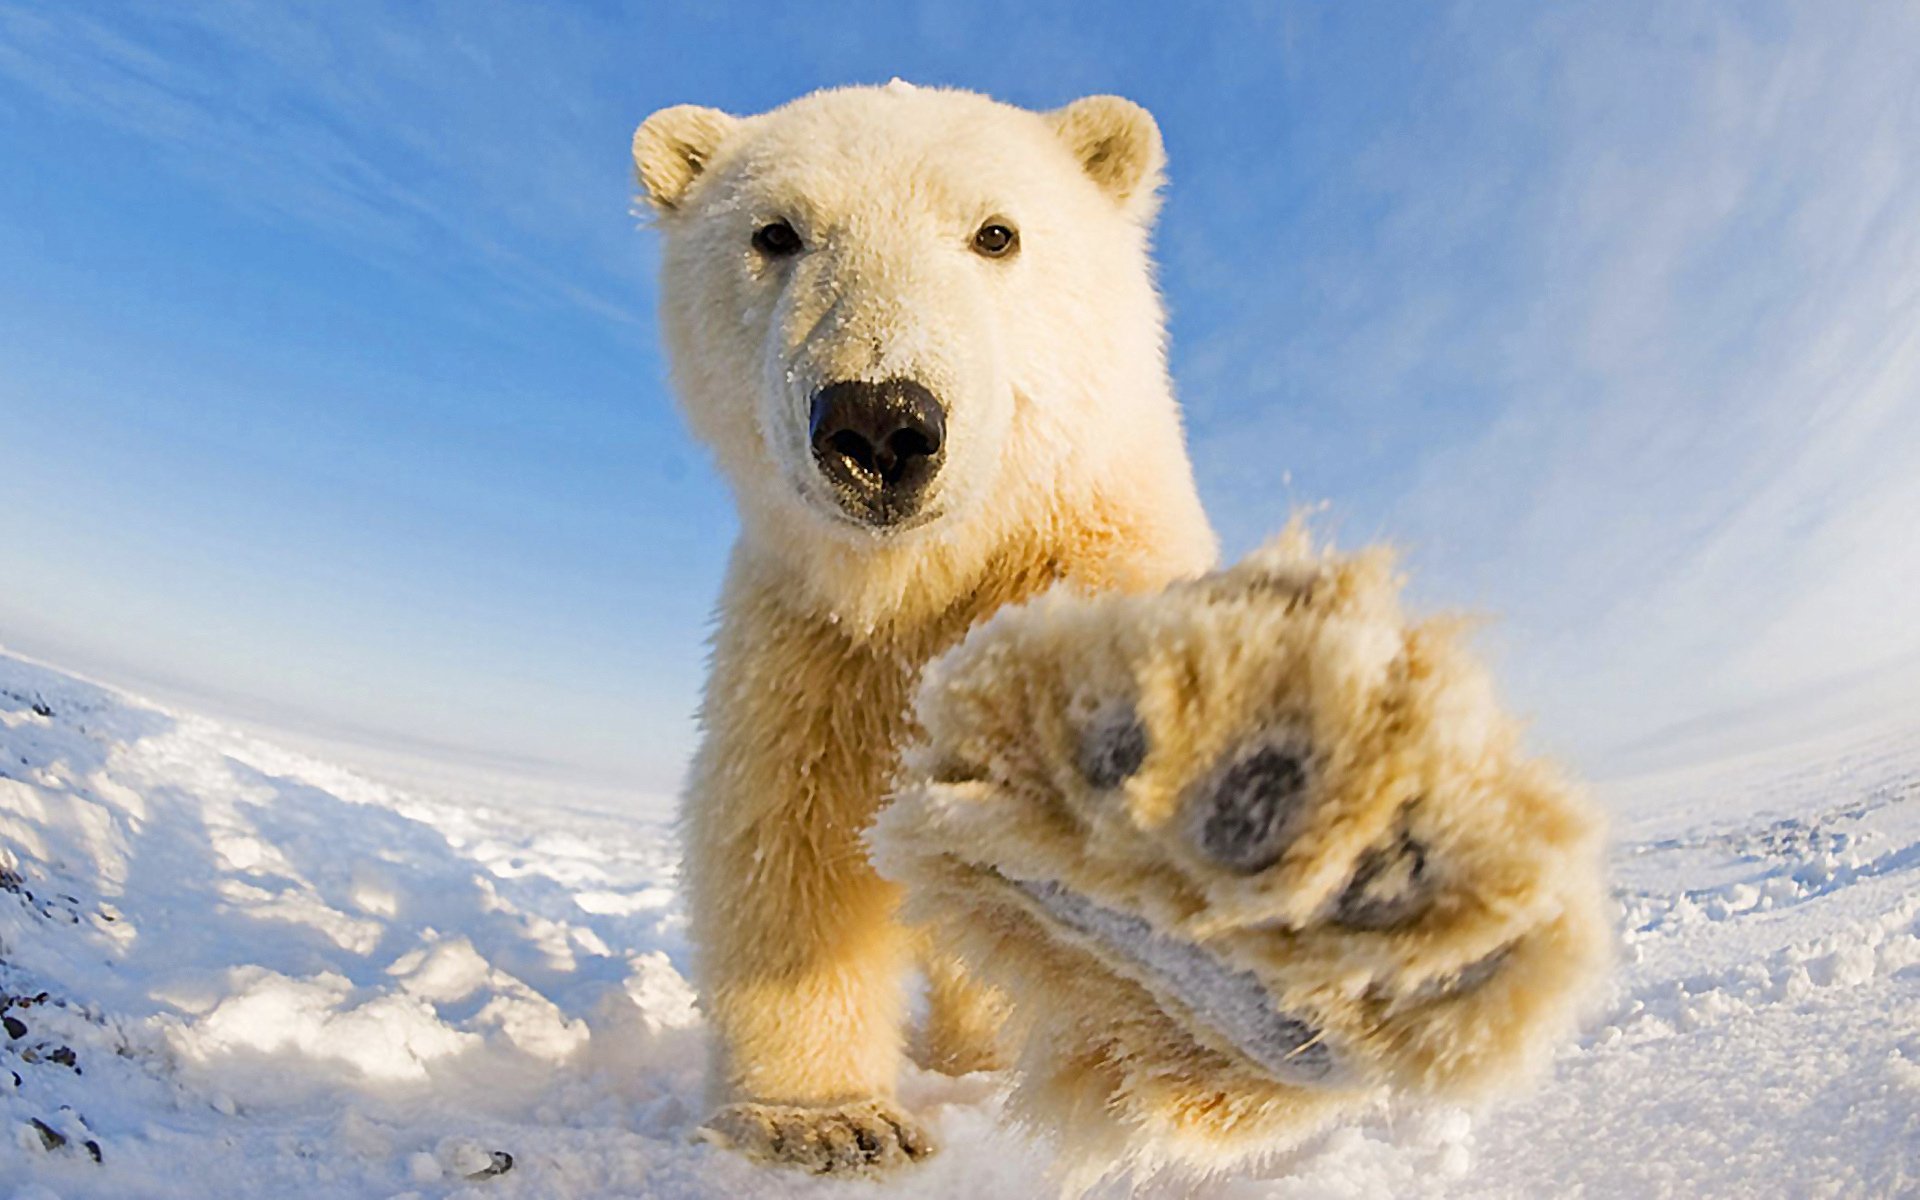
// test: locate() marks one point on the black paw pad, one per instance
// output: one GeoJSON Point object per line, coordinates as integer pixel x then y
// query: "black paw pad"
{"type": "Point", "coordinates": [1390, 887]}
{"type": "Point", "coordinates": [1253, 809]}
{"type": "Point", "coordinates": [1112, 747]}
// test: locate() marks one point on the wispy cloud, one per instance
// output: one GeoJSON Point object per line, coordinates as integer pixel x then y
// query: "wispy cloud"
{"type": "Point", "coordinates": [1672, 412]}
{"type": "Point", "coordinates": [437, 150]}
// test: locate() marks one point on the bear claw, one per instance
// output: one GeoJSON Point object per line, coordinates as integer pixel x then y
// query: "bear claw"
{"type": "Point", "coordinates": [1474, 975]}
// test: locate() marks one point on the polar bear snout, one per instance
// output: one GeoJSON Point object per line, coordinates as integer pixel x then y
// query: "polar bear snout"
{"type": "Point", "coordinates": [879, 445]}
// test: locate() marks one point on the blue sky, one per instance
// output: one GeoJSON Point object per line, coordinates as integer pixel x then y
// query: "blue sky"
{"type": "Point", "coordinates": [330, 393]}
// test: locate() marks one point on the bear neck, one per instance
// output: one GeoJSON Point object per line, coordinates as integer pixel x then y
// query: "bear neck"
{"type": "Point", "coordinates": [927, 591]}
{"type": "Point", "coordinates": [903, 592]}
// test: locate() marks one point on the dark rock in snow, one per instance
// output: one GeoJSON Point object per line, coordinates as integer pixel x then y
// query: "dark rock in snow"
{"type": "Point", "coordinates": [501, 1164]}
{"type": "Point", "coordinates": [50, 1137]}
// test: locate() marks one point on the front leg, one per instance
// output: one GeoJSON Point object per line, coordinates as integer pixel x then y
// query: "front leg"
{"type": "Point", "coordinates": [799, 955]}
{"type": "Point", "coordinates": [800, 977]}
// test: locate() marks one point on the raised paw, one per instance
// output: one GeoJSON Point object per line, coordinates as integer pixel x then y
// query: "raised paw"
{"type": "Point", "coordinates": [870, 1137]}
{"type": "Point", "coordinates": [1242, 852]}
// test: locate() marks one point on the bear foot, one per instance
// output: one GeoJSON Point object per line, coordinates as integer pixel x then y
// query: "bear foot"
{"type": "Point", "coordinates": [868, 1138]}
{"type": "Point", "coordinates": [1242, 853]}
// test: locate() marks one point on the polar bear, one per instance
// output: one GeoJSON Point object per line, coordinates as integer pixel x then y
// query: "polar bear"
{"type": "Point", "coordinates": [919, 332]}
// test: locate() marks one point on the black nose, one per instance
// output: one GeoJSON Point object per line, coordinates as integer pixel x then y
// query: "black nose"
{"type": "Point", "coordinates": [878, 444]}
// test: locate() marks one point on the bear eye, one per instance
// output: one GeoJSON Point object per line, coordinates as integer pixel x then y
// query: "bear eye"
{"type": "Point", "coordinates": [777, 240]}
{"type": "Point", "coordinates": [996, 239]}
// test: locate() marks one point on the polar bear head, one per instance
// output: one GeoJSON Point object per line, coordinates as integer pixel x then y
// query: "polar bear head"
{"type": "Point", "coordinates": [908, 320]}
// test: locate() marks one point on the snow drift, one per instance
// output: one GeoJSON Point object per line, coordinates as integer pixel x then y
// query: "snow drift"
{"type": "Point", "coordinates": [227, 969]}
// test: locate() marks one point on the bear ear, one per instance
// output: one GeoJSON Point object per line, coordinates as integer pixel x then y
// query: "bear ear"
{"type": "Point", "coordinates": [673, 146]}
{"type": "Point", "coordinates": [1119, 148]}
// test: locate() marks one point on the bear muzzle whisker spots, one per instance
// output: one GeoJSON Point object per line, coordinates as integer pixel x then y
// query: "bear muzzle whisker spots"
{"type": "Point", "coordinates": [1247, 815]}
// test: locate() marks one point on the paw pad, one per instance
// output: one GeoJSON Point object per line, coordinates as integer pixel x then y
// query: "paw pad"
{"type": "Point", "coordinates": [1113, 747]}
{"type": "Point", "coordinates": [1390, 887]}
{"type": "Point", "coordinates": [1253, 809]}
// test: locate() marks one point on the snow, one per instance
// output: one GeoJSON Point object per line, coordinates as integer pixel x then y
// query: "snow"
{"type": "Point", "coordinates": [266, 975]}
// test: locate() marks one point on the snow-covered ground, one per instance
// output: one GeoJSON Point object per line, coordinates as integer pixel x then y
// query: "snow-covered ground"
{"type": "Point", "coordinates": [228, 969]}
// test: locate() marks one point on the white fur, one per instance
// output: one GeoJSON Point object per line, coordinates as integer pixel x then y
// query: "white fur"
{"type": "Point", "coordinates": [1064, 462]}
{"type": "Point", "coordinates": [1051, 363]}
